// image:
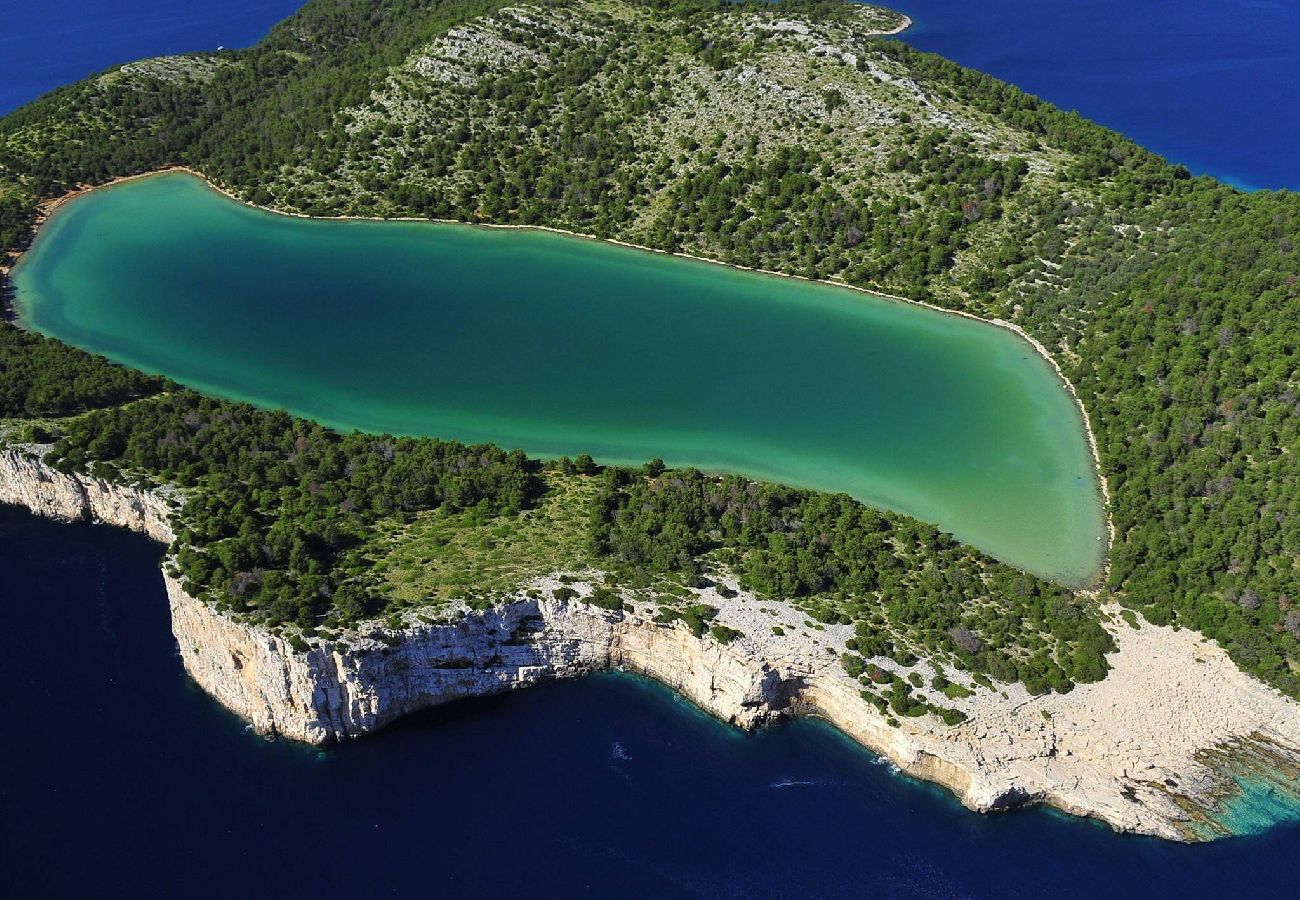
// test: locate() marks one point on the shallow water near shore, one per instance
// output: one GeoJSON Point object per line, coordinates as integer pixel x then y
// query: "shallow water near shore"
{"type": "Point", "coordinates": [560, 345]}
{"type": "Point", "coordinates": [1256, 807]}
{"type": "Point", "coordinates": [126, 780]}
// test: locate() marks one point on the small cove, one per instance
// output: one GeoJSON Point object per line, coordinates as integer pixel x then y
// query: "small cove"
{"type": "Point", "coordinates": [560, 345]}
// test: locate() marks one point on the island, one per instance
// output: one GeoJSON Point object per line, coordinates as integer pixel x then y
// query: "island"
{"type": "Point", "coordinates": [323, 584]}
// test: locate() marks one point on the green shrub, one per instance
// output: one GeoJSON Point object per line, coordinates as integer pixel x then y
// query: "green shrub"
{"type": "Point", "coordinates": [950, 716]}
{"type": "Point", "coordinates": [724, 635]}
{"type": "Point", "coordinates": [606, 599]}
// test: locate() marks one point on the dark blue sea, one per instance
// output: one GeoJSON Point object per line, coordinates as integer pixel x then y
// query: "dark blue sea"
{"type": "Point", "coordinates": [1212, 84]}
{"type": "Point", "coordinates": [47, 43]}
{"type": "Point", "coordinates": [121, 778]}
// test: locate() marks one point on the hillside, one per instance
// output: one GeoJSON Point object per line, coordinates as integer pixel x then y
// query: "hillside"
{"type": "Point", "coordinates": [793, 138]}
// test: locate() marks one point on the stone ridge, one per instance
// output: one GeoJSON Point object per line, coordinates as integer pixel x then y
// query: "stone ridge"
{"type": "Point", "coordinates": [1154, 749]}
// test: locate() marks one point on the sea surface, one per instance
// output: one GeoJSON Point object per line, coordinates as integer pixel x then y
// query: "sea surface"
{"type": "Point", "coordinates": [48, 43]}
{"type": "Point", "coordinates": [559, 345]}
{"type": "Point", "coordinates": [1211, 84]}
{"type": "Point", "coordinates": [122, 779]}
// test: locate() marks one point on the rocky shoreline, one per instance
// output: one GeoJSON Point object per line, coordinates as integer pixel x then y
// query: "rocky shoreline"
{"type": "Point", "coordinates": [1159, 747]}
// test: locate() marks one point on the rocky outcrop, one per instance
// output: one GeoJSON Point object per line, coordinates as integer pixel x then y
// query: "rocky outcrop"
{"type": "Point", "coordinates": [1159, 747]}
{"type": "Point", "coordinates": [346, 689]}
{"type": "Point", "coordinates": [27, 481]}
{"type": "Point", "coordinates": [1175, 782]}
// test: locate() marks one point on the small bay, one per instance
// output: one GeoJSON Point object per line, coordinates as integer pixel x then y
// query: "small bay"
{"type": "Point", "coordinates": [560, 345]}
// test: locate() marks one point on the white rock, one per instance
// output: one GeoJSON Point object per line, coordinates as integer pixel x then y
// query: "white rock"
{"type": "Point", "coordinates": [1168, 698]}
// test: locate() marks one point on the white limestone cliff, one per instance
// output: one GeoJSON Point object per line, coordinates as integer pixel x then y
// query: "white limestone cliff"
{"type": "Point", "coordinates": [27, 481]}
{"type": "Point", "coordinates": [348, 689]}
{"type": "Point", "coordinates": [1143, 750]}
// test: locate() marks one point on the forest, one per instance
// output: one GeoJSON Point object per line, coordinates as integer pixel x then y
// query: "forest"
{"type": "Point", "coordinates": [44, 378]}
{"type": "Point", "coordinates": [1172, 303]}
{"type": "Point", "coordinates": [276, 503]}
{"type": "Point", "coordinates": [889, 576]}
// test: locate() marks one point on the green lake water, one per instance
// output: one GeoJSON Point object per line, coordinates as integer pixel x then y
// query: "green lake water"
{"type": "Point", "coordinates": [561, 345]}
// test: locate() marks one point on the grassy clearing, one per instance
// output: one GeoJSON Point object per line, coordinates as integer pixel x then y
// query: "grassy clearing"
{"type": "Point", "coordinates": [442, 556]}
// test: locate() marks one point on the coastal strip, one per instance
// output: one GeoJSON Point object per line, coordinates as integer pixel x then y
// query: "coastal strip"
{"type": "Point", "coordinates": [902, 26]}
{"type": "Point", "coordinates": [1158, 747]}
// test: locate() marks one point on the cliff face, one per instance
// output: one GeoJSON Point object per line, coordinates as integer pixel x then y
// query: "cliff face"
{"type": "Point", "coordinates": [26, 481]}
{"type": "Point", "coordinates": [1158, 747]}
{"type": "Point", "coordinates": [324, 695]}
{"type": "Point", "coordinates": [328, 694]}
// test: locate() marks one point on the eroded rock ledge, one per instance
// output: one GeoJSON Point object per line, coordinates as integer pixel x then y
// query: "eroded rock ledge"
{"type": "Point", "coordinates": [27, 481]}
{"type": "Point", "coordinates": [1160, 747]}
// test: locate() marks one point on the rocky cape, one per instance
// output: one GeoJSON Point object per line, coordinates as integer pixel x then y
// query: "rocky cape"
{"type": "Point", "coordinates": [1160, 747]}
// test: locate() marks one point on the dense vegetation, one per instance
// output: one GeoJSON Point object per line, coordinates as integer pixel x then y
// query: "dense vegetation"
{"type": "Point", "coordinates": [1172, 303]}
{"type": "Point", "coordinates": [277, 503]}
{"type": "Point", "coordinates": [1194, 373]}
{"type": "Point", "coordinates": [39, 377]}
{"type": "Point", "coordinates": [908, 588]}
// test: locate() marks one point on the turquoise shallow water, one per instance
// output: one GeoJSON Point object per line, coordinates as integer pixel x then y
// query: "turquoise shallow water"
{"type": "Point", "coordinates": [561, 346]}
